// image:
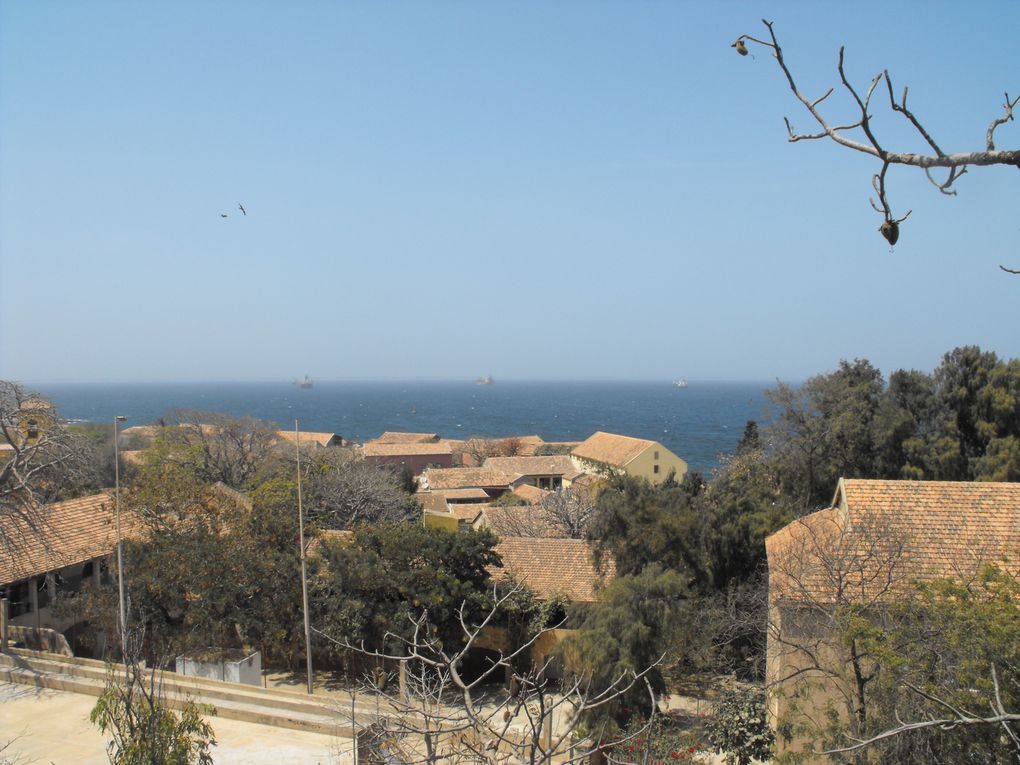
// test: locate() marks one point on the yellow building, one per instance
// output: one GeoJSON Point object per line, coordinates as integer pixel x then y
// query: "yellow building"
{"type": "Point", "coordinates": [607, 453]}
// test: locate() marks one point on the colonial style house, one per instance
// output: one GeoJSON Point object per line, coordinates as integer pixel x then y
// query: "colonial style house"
{"type": "Point", "coordinates": [638, 457]}
{"type": "Point", "coordinates": [67, 544]}
{"type": "Point", "coordinates": [877, 542]}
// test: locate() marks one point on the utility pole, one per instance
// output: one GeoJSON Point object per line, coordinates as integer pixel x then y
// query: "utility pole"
{"type": "Point", "coordinates": [120, 547]}
{"type": "Point", "coordinates": [301, 545]}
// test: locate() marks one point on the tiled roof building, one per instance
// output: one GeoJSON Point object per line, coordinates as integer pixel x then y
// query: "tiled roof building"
{"type": "Point", "coordinates": [554, 567]}
{"type": "Point", "coordinates": [68, 533]}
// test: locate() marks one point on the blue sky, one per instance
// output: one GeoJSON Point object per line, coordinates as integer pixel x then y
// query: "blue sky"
{"type": "Point", "coordinates": [448, 189]}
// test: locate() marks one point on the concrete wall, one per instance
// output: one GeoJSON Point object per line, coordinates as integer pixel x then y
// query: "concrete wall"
{"type": "Point", "coordinates": [655, 463]}
{"type": "Point", "coordinates": [230, 668]}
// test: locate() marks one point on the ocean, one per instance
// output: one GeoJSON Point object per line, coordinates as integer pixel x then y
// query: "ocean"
{"type": "Point", "coordinates": [699, 423]}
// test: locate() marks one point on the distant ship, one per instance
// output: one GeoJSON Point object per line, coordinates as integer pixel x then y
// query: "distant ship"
{"type": "Point", "coordinates": [681, 383]}
{"type": "Point", "coordinates": [306, 383]}
{"type": "Point", "coordinates": [487, 380]}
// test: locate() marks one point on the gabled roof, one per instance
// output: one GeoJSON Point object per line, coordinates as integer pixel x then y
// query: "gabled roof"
{"type": "Point", "coordinates": [559, 464]}
{"type": "Point", "coordinates": [611, 448]}
{"type": "Point", "coordinates": [405, 449]}
{"type": "Point", "coordinates": [467, 478]}
{"type": "Point", "coordinates": [552, 567]}
{"type": "Point", "coordinates": [70, 532]}
{"type": "Point", "coordinates": [398, 437]}
{"type": "Point", "coordinates": [308, 436]}
{"type": "Point", "coordinates": [883, 537]}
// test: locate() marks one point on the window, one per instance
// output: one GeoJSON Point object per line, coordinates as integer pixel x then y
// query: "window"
{"type": "Point", "coordinates": [655, 469]}
{"type": "Point", "coordinates": [656, 455]}
{"type": "Point", "coordinates": [33, 430]}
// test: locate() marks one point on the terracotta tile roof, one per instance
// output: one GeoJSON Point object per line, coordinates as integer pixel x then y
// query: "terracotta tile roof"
{"type": "Point", "coordinates": [398, 437]}
{"type": "Point", "coordinates": [466, 478]}
{"type": "Point", "coordinates": [432, 501]}
{"type": "Point", "coordinates": [308, 436]}
{"type": "Point", "coordinates": [882, 537]}
{"type": "Point", "coordinates": [70, 532]}
{"type": "Point", "coordinates": [468, 512]}
{"type": "Point", "coordinates": [531, 493]}
{"type": "Point", "coordinates": [404, 449]}
{"type": "Point", "coordinates": [559, 464]}
{"type": "Point", "coordinates": [611, 448]}
{"type": "Point", "coordinates": [552, 567]}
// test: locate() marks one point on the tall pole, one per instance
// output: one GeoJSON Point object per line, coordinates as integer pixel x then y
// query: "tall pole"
{"type": "Point", "coordinates": [120, 547]}
{"type": "Point", "coordinates": [301, 545]}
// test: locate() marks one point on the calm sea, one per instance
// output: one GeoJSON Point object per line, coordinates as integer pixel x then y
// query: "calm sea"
{"type": "Point", "coordinates": [698, 423]}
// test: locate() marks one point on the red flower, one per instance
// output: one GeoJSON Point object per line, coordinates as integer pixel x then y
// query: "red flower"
{"type": "Point", "coordinates": [690, 749]}
{"type": "Point", "coordinates": [630, 748]}
{"type": "Point", "coordinates": [674, 755]}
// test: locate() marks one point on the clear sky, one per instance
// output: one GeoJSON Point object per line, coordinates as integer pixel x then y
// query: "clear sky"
{"type": "Point", "coordinates": [536, 190]}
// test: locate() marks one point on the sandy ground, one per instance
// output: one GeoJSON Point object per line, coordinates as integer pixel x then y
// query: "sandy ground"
{"type": "Point", "coordinates": [53, 727]}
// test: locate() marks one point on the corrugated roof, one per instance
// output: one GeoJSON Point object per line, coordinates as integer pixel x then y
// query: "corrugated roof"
{"type": "Point", "coordinates": [70, 532]}
{"type": "Point", "coordinates": [552, 567]}
{"type": "Point", "coordinates": [883, 537]}
{"type": "Point", "coordinates": [610, 448]}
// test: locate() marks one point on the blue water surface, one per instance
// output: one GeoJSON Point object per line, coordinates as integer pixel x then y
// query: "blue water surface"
{"type": "Point", "coordinates": [699, 423]}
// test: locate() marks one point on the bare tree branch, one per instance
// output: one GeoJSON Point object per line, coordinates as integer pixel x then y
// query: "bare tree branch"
{"type": "Point", "coordinates": [956, 163]}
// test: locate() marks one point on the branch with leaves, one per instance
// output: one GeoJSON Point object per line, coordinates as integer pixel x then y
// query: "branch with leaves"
{"type": "Point", "coordinates": [439, 714]}
{"type": "Point", "coordinates": [867, 141]}
{"type": "Point", "coordinates": [957, 718]}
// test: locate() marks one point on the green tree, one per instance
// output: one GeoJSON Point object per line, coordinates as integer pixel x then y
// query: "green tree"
{"type": "Point", "coordinates": [384, 578]}
{"type": "Point", "coordinates": [904, 425]}
{"type": "Point", "coordinates": [143, 728]}
{"type": "Point", "coordinates": [217, 569]}
{"type": "Point", "coordinates": [742, 506]}
{"type": "Point", "coordinates": [739, 726]}
{"type": "Point", "coordinates": [824, 430]}
{"type": "Point", "coordinates": [954, 650]}
{"type": "Point", "coordinates": [640, 524]}
{"type": "Point", "coordinates": [641, 621]}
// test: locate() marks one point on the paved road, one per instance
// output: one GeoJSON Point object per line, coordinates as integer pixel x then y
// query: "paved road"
{"type": "Point", "coordinates": [53, 727]}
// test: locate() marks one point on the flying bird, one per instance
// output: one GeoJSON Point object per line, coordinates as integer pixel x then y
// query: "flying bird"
{"type": "Point", "coordinates": [241, 208]}
{"type": "Point", "coordinates": [223, 215]}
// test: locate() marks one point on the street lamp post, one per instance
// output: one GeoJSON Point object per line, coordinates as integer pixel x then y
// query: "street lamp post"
{"type": "Point", "coordinates": [120, 547]}
{"type": "Point", "coordinates": [301, 546]}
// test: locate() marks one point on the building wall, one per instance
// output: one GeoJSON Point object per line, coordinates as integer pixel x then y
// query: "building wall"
{"type": "Point", "coordinates": [806, 672]}
{"type": "Point", "coordinates": [655, 463]}
{"type": "Point", "coordinates": [416, 462]}
{"type": "Point", "coordinates": [43, 591]}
